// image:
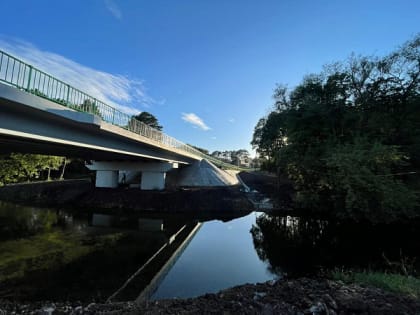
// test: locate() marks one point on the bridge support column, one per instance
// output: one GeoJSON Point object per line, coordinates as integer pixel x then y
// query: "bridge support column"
{"type": "Point", "coordinates": [107, 179]}
{"type": "Point", "coordinates": [152, 180]}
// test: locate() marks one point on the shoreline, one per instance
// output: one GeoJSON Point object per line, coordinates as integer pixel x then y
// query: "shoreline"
{"type": "Point", "coordinates": [80, 194]}
{"type": "Point", "coordinates": [284, 296]}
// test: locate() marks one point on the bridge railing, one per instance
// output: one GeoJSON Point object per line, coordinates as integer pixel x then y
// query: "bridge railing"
{"type": "Point", "coordinates": [26, 77]}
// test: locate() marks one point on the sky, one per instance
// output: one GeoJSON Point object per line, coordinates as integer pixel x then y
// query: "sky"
{"type": "Point", "coordinates": [205, 68]}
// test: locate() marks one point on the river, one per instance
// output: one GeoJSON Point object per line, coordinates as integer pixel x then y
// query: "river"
{"type": "Point", "coordinates": [74, 254]}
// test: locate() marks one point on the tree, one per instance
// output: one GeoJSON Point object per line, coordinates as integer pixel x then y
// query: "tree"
{"type": "Point", "coordinates": [18, 167]}
{"type": "Point", "coordinates": [349, 136]}
{"type": "Point", "coordinates": [148, 119]}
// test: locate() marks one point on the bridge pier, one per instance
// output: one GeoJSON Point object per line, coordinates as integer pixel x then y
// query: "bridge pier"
{"type": "Point", "coordinates": [152, 178]}
{"type": "Point", "coordinates": [108, 179]}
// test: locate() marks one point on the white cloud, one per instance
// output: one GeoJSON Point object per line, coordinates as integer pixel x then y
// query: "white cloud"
{"type": "Point", "coordinates": [119, 91]}
{"type": "Point", "coordinates": [113, 8]}
{"type": "Point", "coordinates": [195, 120]}
{"type": "Point", "coordinates": [213, 138]}
{"type": "Point", "coordinates": [232, 120]}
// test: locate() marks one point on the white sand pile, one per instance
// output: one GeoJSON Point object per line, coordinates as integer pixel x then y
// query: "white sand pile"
{"type": "Point", "coordinates": [204, 173]}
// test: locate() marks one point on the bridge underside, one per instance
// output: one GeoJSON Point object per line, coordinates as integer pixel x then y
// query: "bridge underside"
{"type": "Point", "coordinates": [30, 124]}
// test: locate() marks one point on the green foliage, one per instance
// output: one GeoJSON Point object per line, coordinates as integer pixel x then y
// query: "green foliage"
{"type": "Point", "coordinates": [18, 167]}
{"type": "Point", "coordinates": [387, 281]}
{"type": "Point", "coordinates": [359, 178]}
{"type": "Point", "coordinates": [47, 251]}
{"type": "Point", "coordinates": [348, 135]}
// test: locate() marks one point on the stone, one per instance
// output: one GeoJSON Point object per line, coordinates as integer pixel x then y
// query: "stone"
{"type": "Point", "coordinates": [258, 295]}
{"type": "Point", "coordinates": [47, 310]}
{"type": "Point", "coordinates": [318, 308]}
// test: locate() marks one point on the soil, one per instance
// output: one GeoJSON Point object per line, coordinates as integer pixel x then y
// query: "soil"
{"type": "Point", "coordinates": [286, 296]}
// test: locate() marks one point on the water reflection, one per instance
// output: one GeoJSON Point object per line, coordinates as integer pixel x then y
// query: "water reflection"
{"type": "Point", "coordinates": [57, 254]}
{"type": "Point", "coordinates": [220, 256]}
{"type": "Point", "coordinates": [298, 246]}
{"type": "Point", "coordinates": [18, 222]}
{"type": "Point", "coordinates": [60, 255]}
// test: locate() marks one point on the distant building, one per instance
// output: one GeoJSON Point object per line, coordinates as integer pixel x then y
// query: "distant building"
{"type": "Point", "coordinates": [239, 158]}
{"type": "Point", "coordinates": [225, 156]}
{"type": "Point", "coordinates": [243, 159]}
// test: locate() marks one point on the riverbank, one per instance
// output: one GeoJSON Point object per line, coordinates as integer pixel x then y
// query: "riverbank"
{"type": "Point", "coordinates": [285, 296]}
{"type": "Point", "coordinates": [82, 195]}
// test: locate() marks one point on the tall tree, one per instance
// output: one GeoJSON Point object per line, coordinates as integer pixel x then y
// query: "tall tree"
{"type": "Point", "coordinates": [149, 120]}
{"type": "Point", "coordinates": [349, 137]}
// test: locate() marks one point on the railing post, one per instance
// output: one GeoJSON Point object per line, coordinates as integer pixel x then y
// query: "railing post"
{"type": "Point", "coordinates": [29, 78]}
{"type": "Point", "coordinates": [68, 95]}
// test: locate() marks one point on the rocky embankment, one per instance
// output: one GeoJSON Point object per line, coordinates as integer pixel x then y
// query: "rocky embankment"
{"type": "Point", "coordinates": [286, 296]}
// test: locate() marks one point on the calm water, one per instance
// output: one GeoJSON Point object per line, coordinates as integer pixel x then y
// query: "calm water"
{"type": "Point", "coordinates": [221, 255]}
{"type": "Point", "coordinates": [81, 255]}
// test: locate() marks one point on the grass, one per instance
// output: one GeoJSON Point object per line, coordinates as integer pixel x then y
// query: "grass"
{"type": "Point", "coordinates": [391, 282]}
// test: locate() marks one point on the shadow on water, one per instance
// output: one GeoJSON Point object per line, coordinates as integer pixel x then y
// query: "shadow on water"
{"type": "Point", "coordinates": [304, 246]}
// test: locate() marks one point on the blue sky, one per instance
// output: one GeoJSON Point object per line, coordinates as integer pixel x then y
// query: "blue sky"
{"type": "Point", "coordinates": [205, 68]}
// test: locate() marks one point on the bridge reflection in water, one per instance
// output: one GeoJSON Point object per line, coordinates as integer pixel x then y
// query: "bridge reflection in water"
{"type": "Point", "coordinates": [55, 254]}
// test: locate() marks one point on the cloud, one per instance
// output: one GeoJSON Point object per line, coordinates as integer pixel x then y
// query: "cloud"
{"type": "Point", "coordinates": [213, 138]}
{"type": "Point", "coordinates": [195, 121]}
{"type": "Point", "coordinates": [124, 93]}
{"type": "Point", "coordinates": [232, 120]}
{"type": "Point", "coordinates": [113, 8]}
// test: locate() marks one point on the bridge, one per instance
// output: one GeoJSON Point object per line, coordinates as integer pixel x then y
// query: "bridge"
{"type": "Point", "coordinates": [42, 114]}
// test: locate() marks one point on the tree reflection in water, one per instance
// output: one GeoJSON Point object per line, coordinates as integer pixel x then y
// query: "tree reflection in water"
{"type": "Point", "coordinates": [17, 221]}
{"type": "Point", "coordinates": [301, 246]}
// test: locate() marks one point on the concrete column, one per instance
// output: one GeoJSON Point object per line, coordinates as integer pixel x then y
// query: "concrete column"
{"type": "Point", "coordinates": [153, 174]}
{"type": "Point", "coordinates": [152, 180]}
{"type": "Point", "coordinates": [107, 179]}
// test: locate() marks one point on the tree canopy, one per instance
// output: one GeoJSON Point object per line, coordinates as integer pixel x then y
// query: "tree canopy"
{"type": "Point", "coordinates": [349, 137]}
{"type": "Point", "coordinates": [18, 167]}
{"type": "Point", "coordinates": [149, 120]}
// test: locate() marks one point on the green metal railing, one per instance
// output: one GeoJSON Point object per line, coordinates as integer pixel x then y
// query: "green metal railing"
{"type": "Point", "coordinates": [15, 72]}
